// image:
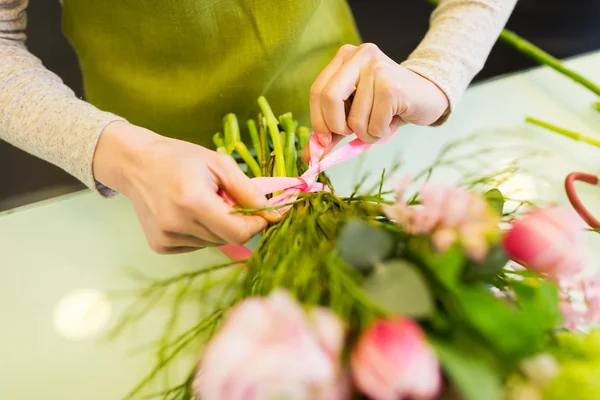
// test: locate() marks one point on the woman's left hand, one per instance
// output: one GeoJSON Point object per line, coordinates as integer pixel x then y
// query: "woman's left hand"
{"type": "Point", "coordinates": [386, 96]}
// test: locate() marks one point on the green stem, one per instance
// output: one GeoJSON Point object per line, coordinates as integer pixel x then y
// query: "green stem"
{"type": "Point", "coordinates": [218, 140]}
{"type": "Point", "coordinates": [303, 137]}
{"type": "Point", "coordinates": [282, 136]}
{"type": "Point", "coordinates": [539, 55]}
{"type": "Point", "coordinates": [273, 126]}
{"type": "Point", "coordinates": [242, 150]}
{"type": "Point", "coordinates": [254, 137]}
{"type": "Point", "coordinates": [232, 131]}
{"type": "Point", "coordinates": [223, 150]}
{"type": "Point", "coordinates": [264, 145]}
{"type": "Point", "coordinates": [562, 131]}
{"type": "Point", "coordinates": [289, 126]}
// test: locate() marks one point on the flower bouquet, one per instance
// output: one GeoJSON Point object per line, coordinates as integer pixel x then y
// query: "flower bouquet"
{"type": "Point", "coordinates": [439, 294]}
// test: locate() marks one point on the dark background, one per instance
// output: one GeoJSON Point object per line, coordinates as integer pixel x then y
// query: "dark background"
{"type": "Point", "coordinates": [562, 27]}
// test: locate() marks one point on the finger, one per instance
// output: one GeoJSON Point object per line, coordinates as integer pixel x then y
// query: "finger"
{"type": "Point", "coordinates": [335, 139]}
{"type": "Point", "coordinates": [235, 228]}
{"type": "Point", "coordinates": [316, 113]}
{"type": "Point", "coordinates": [178, 250]}
{"type": "Point", "coordinates": [242, 190]}
{"type": "Point", "coordinates": [341, 85]}
{"type": "Point", "coordinates": [200, 238]}
{"type": "Point", "coordinates": [382, 113]}
{"type": "Point", "coordinates": [397, 123]}
{"type": "Point", "coordinates": [360, 112]}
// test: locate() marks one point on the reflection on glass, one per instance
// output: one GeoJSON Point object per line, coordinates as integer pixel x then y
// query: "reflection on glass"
{"type": "Point", "coordinates": [82, 314]}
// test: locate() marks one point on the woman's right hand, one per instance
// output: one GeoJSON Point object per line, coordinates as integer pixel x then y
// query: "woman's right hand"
{"type": "Point", "coordinates": [173, 186]}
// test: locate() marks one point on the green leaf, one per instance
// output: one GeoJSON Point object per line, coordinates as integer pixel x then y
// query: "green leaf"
{"type": "Point", "coordinates": [447, 266]}
{"type": "Point", "coordinates": [399, 288]}
{"type": "Point", "coordinates": [540, 301]}
{"type": "Point", "coordinates": [495, 199]}
{"type": "Point", "coordinates": [469, 370]}
{"type": "Point", "coordinates": [514, 330]}
{"type": "Point", "coordinates": [488, 268]}
{"type": "Point", "coordinates": [362, 245]}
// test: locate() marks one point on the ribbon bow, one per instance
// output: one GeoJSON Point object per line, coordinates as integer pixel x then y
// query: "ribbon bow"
{"type": "Point", "coordinates": [292, 187]}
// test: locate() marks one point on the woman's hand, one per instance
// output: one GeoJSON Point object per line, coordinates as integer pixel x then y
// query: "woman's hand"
{"type": "Point", "coordinates": [385, 96]}
{"type": "Point", "coordinates": [173, 186]}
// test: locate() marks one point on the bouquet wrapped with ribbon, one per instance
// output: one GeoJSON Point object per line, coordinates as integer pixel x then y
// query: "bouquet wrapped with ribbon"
{"type": "Point", "coordinates": [437, 294]}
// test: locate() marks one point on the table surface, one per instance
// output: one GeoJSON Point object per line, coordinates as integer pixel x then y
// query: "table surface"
{"type": "Point", "coordinates": [58, 258]}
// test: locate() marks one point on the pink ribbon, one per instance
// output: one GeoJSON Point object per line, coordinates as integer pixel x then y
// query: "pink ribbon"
{"type": "Point", "coordinates": [290, 188]}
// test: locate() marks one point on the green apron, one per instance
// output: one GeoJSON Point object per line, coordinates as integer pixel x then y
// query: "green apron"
{"type": "Point", "coordinates": [178, 66]}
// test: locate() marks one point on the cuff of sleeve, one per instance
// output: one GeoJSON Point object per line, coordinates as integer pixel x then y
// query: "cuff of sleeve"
{"type": "Point", "coordinates": [441, 78]}
{"type": "Point", "coordinates": [101, 121]}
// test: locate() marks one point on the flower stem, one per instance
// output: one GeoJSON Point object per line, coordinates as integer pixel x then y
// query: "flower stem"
{"type": "Point", "coordinates": [565, 132]}
{"type": "Point", "coordinates": [289, 126]}
{"type": "Point", "coordinates": [242, 150]}
{"type": "Point", "coordinates": [254, 137]}
{"type": "Point", "coordinates": [232, 131]}
{"type": "Point", "coordinates": [264, 146]}
{"type": "Point", "coordinates": [273, 126]}
{"type": "Point", "coordinates": [539, 55]}
{"type": "Point", "coordinates": [218, 140]}
{"type": "Point", "coordinates": [303, 137]}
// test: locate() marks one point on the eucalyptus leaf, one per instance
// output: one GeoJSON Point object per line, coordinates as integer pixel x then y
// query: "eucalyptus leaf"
{"type": "Point", "coordinates": [473, 377]}
{"type": "Point", "coordinates": [362, 245]}
{"type": "Point", "coordinates": [495, 199]}
{"type": "Point", "coordinates": [495, 261]}
{"type": "Point", "coordinates": [398, 287]}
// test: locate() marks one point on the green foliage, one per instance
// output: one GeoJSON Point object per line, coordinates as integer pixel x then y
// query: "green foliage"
{"type": "Point", "coordinates": [400, 288]}
{"type": "Point", "coordinates": [362, 245]}
{"type": "Point", "coordinates": [470, 368]}
{"type": "Point", "coordinates": [579, 357]}
{"type": "Point", "coordinates": [482, 331]}
{"type": "Point", "coordinates": [495, 199]}
{"type": "Point", "coordinates": [343, 253]}
{"type": "Point", "coordinates": [489, 268]}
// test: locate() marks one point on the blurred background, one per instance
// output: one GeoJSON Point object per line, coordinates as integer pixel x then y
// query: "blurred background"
{"type": "Point", "coordinates": [564, 28]}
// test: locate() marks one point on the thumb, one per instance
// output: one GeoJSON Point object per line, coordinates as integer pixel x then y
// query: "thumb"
{"type": "Point", "coordinates": [244, 192]}
{"type": "Point", "coordinates": [335, 139]}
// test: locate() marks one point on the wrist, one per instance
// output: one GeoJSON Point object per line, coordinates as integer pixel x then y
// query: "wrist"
{"type": "Point", "coordinates": [115, 158]}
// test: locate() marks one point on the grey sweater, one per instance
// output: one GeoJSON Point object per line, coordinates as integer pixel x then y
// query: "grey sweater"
{"type": "Point", "coordinates": [41, 115]}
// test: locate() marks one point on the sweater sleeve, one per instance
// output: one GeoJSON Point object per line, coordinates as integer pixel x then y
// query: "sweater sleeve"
{"type": "Point", "coordinates": [38, 112]}
{"type": "Point", "coordinates": [459, 40]}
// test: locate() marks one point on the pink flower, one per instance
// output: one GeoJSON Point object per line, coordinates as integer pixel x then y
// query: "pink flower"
{"type": "Point", "coordinates": [392, 361]}
{"type": "Point", "coordinates": [580, 300]}
{"type": "Point", "coordinates": [269, 348]}
{"type": "Point", "coordinates": [449, 214]}
{"type": "Point", "coordinates": [547, 241]}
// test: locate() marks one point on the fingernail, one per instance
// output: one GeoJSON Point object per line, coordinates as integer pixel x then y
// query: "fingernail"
{"type": "Point", "coordinates": [274, 214]}
{"type": "Point", "coordinates": [324, 139]}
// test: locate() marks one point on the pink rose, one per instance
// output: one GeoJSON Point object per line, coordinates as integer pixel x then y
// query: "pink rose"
{"type": "Point", "coordinates": [393, 361]}
{"type": "Point", "coordinates": [269, 348]}
{"type": "Point", "coordinates": [580, 300]}
{"type": "Point", "coordinates": [547, 241]}
{"type": "Point", "coordinates": [449, 214]}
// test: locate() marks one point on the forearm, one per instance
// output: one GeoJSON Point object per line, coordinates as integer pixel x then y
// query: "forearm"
{"type": "Point", "coordinates": [38, 113]}
{"type": "Point", "coordinates": [460, 38]}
